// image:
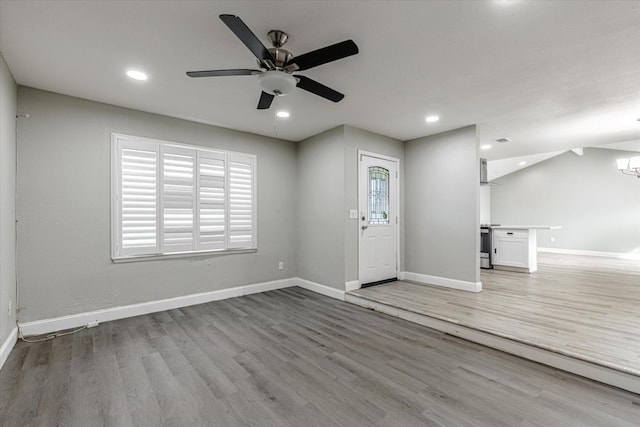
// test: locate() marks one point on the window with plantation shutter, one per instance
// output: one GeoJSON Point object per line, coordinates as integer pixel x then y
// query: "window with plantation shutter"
{"type": "Point", "coordinates": [170, 198]}
{"type": "Point", "coordinates": [212, 196]}
{"type": "Point", "coordinates": [240, 201]}
{"type": "Point", "coordinates": [138, 213]}
{"type": "Point", "coordinates": [177, 198]}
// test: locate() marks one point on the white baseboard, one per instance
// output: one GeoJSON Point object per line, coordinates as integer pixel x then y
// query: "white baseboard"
{"type": "Point", "coordinates": [352, 285]}
{"type": "Point", "coordinates": [320, 289]}
{"type": "Point", "coordinates": [46, 326]}
{"type": "Point", "coordinates": [603, 374]}
{"type": "Point", "coordinates": [441, 281]}
{"type": "Point", "coordinates": [620, 255]}
{"type": "Point", "coordinates": [7, 346]}
{"type": "Point", "coordinates": [402, 275]}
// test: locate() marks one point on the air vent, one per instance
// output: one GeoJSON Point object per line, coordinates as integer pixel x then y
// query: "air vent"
{"type": "Point", "coordinates": [503, 140]}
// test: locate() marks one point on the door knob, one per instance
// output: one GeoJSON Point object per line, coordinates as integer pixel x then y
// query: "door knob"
{"type": "Point", "coordinates": [364, 227]}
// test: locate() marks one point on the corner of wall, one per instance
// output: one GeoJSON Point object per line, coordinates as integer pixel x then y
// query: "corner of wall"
{"type": "Point", "coordinates": [320, 208]}
{"type": "Point", "coordinates": [8, 111]}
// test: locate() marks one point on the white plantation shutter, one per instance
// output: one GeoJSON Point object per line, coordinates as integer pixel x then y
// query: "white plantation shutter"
{"type": "Point", "coordinates": [241, 201]}
{"type": "Point", "coordinates": [211, 200]}
{"type": "Point", "coordinates": [171, 198]}
{"type": "Point", "coordinates": [178, 198]}
{"type": "Point", "coordinates": [138, 198]}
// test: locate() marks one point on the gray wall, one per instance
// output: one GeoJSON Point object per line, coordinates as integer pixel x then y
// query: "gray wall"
{"type": "Point", "coordinates": [442, 205]}
{"type": "Point", "coordinates": [8, 102]}
{"type": "Point", "coordinates": [597, 206]}
{"type": "Point", "coordinates": [358, 139]}
{"type": "Point", "coordinates": [485, 204]}
{"type": "Point", "coordinates": [64, 264]}
{"type": "Point", "coordinates": [321, 207]}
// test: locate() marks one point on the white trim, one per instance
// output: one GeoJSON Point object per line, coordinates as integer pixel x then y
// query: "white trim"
{"type": "Point", "coordinates": [45, 326]}
{"type": "Point", "coordinates": [320, 289]}
{"type": "Point", "coordinates": [441, 281]}
{"type": "Point", "coordinates": [377, 156]}
{"type": "Point", "coordinates": [620, 255]}
{"type": "Point", "coordinates": [352, 285]}
{"type": "Point", "coordinates": [614, 377]}
{"type": "Point", "coordinates": [7, 346]}
{"type": "Point", "coordinates": [152, 257]}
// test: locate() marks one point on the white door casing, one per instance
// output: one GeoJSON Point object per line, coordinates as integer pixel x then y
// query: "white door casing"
{"type": "Point", "coordinates": [378, 220]}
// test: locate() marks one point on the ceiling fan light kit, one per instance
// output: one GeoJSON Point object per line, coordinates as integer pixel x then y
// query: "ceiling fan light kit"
{"type": "Point", "coordinates": [277, 83]}
{"type": "Point", "coordinates": [630, 166]}
{"type": "Point", "coordinates": [277, 64]}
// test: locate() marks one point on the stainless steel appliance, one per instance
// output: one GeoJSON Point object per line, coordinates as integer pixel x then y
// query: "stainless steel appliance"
{"type": "Point", "coordinates": [483, 172]}
{"type": "Point", "coordinates": [485, 245]}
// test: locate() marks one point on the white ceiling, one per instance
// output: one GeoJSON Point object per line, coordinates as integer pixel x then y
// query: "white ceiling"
{"type": "Point", "coordinates": [501, 167]}
{"type": "Point", "coordinates": [550, 75]}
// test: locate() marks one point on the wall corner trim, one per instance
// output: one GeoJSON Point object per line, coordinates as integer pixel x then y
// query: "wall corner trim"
{"type": "Point", "coordinates": [45, 326]}
{"type": "Point", "coordinates": [320, 289]}
{"type": "Point", "coordinates": [352, 285]}
{"type": "Point", "coordinates": [441, 281]}
{"type": "Point", "coordinates": [7, 346]}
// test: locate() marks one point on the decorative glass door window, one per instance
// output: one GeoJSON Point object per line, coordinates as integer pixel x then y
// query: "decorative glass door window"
{"type": "Point", "coordinates": [378, 195]}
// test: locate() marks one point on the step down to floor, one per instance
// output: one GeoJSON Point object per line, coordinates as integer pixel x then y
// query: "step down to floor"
{"type": "Point", "coordinates": [624, 380]}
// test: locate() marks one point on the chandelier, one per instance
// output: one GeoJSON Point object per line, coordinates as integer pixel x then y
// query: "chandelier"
{"type": "Point", "coordinates": [630, 166]}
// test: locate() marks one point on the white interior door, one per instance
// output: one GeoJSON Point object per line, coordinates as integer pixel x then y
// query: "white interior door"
{"type": "Point", "coordinates": [378, 220]}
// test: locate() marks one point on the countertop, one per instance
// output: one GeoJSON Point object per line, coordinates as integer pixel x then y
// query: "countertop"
{"type": "Point", "coordinates": [527, 227]}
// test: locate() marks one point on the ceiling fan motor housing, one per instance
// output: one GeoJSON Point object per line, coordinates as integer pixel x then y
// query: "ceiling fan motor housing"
{"type": "Point", "coordinates": [277, 82]}
{"type": "Point", "coordinates": [280, 57]}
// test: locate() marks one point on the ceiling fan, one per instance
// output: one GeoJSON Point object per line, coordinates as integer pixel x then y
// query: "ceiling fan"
{"type": "Point", "coordinates": [278, 65]}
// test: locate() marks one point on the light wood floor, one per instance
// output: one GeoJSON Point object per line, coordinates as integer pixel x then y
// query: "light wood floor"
{"type": "Point", "coordinates": [584, 307]}
{"type": "Point", "coordinates": [290, 358]}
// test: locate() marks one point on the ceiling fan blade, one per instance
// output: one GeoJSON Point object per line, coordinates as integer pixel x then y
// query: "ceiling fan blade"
{"type": "Point", "coordinates": [220, 73]}
{"type": "Point", "coordinates": [319, 89]}
{"type": "Point", "coordinates": [245, 35]}
{"type": "Point", "coordinates": [265, 101]}
{"type": "Point", "coordinates": [324, 55]}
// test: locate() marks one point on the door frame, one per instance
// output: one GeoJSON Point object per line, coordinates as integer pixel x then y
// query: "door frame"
{"type": "Point", "coordinates": [397, 207]}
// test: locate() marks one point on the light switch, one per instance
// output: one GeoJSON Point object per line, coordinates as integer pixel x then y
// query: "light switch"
{"type": "Point", "coordinates": [353, 214]}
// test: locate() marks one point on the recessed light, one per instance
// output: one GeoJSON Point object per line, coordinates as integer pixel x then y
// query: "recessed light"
{"type": "Point", "coordinates": [522, 163]}
{"type": "Point", "coordinates": [283, 114]}
{"type": "Point", "coordinates": [485, 147]}
{"type": "Point", "coordinates": [431, 119]}
{"type": "Point", "coordinates": [137, 75]}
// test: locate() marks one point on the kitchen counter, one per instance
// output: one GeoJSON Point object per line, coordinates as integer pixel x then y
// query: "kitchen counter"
{"type": "Point", "coordinates": [515, 247]}
{"type": "Point", "coordinates": [527, 227]}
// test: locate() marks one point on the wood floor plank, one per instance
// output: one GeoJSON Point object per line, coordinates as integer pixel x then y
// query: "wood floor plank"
{"type": "Point", "coordinates": [290, 358]}
{"type": "Point", "coordinates": [580, 306]}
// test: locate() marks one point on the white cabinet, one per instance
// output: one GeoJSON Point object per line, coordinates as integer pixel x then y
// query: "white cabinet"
{"type": "Point", "coordinates": [515, 249]}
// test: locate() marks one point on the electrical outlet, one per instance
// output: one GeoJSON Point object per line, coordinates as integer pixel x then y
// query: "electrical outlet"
{"type": "Point", "coordinates": [281, 265]}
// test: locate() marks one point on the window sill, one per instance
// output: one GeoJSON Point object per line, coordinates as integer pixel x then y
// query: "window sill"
{"type": "Point", "coordinates": [177, 255]}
